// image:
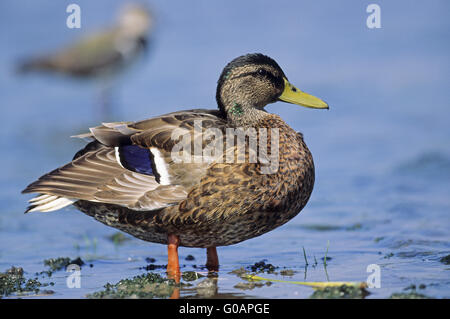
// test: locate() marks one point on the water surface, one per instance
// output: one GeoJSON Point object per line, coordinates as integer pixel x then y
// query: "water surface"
{"type": "Point", "coordinates": [381, 152]}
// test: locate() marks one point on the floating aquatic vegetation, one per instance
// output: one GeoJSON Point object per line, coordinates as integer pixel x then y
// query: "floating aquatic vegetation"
{"type": "Point", "coordinates": [240, 272]}
{"type": "Point", "coordinates": [326, 289]}
{"type": "Point", "coordinates": [146, 286]}
{"type": "Point", "coordinates": [408, 295]}
{"type": "Point", "coordinates": [262, 266]}
{"type": "Point", "coordinates": [413, 287]}
{"type": "Point", "coordinates": [445, 260]}
{"type": "Point", "coordinates": [13, 282]}
{"type": "Point", "coordinates": [150, 260]}
{"type": "Point", "coordinates": [340, 292]}
{"type": "Point", "coordinates": [56, 264]}
{"type": "Point", "coordinates": [411, 294]}
{"type": "Point", "coordinates": [191, 275]}
{"type": "Point", "coordinates": [287, 272]}
{"type": "Point", "coordinates": [151, 267]}
{"type": "Point", "coordinates": [60, 263]}
{"type": "Point", "coordinates": [250, 285]}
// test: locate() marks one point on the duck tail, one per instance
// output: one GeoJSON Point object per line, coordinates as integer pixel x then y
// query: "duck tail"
{"type": "Point", "coordinates": [48, 203]}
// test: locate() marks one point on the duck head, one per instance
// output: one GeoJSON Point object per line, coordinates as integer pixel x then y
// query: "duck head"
{"type": "Point", "coordinates": [250, 82]}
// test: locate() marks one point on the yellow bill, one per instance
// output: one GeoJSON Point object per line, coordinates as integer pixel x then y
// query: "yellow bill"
{"type": "Point", "coordinates": [295, 96]}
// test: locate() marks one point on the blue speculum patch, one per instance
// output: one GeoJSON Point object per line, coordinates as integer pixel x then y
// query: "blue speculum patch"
{"type": "Point", "coordinates": [136, 159]}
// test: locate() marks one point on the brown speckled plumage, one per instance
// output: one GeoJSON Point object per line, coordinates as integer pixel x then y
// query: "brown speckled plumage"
{"type": "Point", "coordinates": [232, 202]}
{"type": "Point", "coordinates": [205, 204]}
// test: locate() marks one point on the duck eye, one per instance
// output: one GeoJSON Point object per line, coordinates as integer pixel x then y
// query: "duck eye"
{"type": "Point", "coordinates": [261, 71]}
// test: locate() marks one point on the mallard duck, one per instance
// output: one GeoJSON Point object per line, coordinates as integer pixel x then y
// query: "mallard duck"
{"type": "Point", "coordinates": [127, 177]}
{"type": "Point", "coordinates": [103, 53]}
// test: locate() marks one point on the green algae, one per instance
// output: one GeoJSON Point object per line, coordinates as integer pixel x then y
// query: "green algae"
{"type": "Point", "coordinates": [151, 267]}
{"type": "Point", "coordinates": [249, 285]}
{"type": "Point", "coordinates": [408, 295]}
{"type": "Point", "coordinates": [13, 282]}
{"type": "Point", "coordinates": [263, 267]}
{"type": "Point", "coordinates": [337, 292]}
{"type": "Point", "coordinates": [445, 260]}
{"type": "Point", "coordinates": [146, 286]}
{"type": "Point", "coordinates": [411, 294]}
{"type": "Point", "coordinates": [56, 264]}
{"type": "Point", "coordinates": [340, 292]}
{"type": "Point", "coordinates": [287, 272]}
{"type": "Point", "coordinates": [191, 275]}
{"type": "Point", "coordinates": [240, 272]}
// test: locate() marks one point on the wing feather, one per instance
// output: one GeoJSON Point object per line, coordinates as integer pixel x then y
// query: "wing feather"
{"type": "Point", "coordinates": [96, 174]}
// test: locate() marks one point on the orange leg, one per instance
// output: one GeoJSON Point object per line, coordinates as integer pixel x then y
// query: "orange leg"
{"type": "Point", "coordinates": [212, 260]}
{"type": "Point", "coordinates": [173, 265]}
{"type": "Point", "coordinates": [175, 293]}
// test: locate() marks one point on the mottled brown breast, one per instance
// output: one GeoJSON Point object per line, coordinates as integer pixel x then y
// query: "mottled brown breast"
{"type": "Point", "coordinates": [237, 201]}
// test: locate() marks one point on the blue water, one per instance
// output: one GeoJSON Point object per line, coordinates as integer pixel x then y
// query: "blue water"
{"type": "Point", "coordinates": [382, 151]}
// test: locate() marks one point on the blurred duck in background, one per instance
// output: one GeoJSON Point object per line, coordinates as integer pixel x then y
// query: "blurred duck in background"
{"type": "Point", "coordinates": [101, 55]}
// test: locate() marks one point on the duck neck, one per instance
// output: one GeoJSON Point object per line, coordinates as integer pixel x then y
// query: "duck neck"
{"type": "Point", "coordinates": [240, 115]}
